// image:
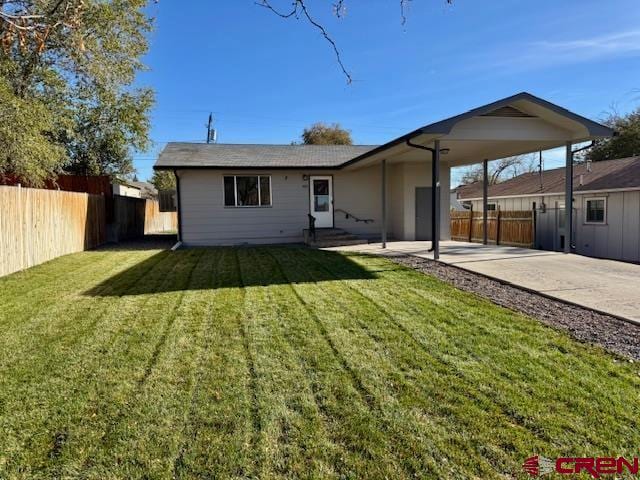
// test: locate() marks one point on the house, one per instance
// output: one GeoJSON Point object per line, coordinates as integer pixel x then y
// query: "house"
{"type": "Point", "coordinates": [606, 205]}
{"type": "Point", "coordinates": [234, 194]}
{"type": "Point", "coordinates": [147, 190]}
{"type": "Point", "coordinates": [454, 200]}
{"type": "Point", "coordinates": [126, 190]}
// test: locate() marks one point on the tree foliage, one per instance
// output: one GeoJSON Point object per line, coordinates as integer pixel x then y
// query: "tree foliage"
{"type": "Point", "coordinates": [27, 147]}
{"type": "Point", "coordinates": [73, 62]}
{"type": "Point", "coordinates": [625, 144]}
{"type": "Point", "coordinates": [500, 170]}
{"type": "Point", "coordinates": [163, 180]}
{"type": "Point", "coordinates": [324, 134]}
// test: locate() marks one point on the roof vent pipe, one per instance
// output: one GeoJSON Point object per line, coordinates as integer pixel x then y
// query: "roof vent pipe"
{"type": "Point", "coordinates": [581, 179]}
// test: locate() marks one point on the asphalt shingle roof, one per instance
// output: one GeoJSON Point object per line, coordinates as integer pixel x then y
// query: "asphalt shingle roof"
{"type": "Point", "coordinates": [202, 155]}
{"type": "Point", "coordinates": [604, 175]}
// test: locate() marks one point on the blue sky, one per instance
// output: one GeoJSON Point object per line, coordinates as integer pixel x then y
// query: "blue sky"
{"type": "Point", "coordinates": [266, 78]}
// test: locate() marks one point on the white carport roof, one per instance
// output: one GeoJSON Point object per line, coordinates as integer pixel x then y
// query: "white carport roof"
{"type": "Point", "coordinates": [522, 123]}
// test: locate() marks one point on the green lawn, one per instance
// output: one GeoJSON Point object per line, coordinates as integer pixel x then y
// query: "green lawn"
{"type": "Point", "coordinates": [287, 363]}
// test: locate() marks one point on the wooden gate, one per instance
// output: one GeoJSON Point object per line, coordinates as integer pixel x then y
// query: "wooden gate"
{"type": "Point", "coordinates": [514, 228]}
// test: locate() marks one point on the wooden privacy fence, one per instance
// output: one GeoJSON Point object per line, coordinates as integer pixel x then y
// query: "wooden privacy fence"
{"type": "Point", "coordinates": [135, 217]}
{"type": "Point", "coordinates": [514, 228]}
{"type": "Point", "coordinates": [39, 225]}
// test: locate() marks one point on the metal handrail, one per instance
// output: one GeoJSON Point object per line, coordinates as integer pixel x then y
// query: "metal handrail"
{"type": "Point", "coordinates": [348, 215]}
{"type": "Point", "coordinates": [312, 226]}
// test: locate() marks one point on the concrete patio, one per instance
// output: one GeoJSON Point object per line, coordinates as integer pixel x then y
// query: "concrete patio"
{"type": "Point", "coordinates": [607, 286]}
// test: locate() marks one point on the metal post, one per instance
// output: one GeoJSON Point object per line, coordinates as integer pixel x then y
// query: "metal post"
{"type": "Point", "coordinates": [384, 204]}
{"type": "Point", "coordinates": [485, 202]}
{"type": "Point", "coordinates": [178, 205]}
{"type": "Point", "coordinates": [568, 200]}
{"type": "Point", "coordinates": [435, 200]}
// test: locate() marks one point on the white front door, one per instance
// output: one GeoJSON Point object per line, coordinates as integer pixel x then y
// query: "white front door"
{"type": "Point", "coordinates": [321, 200]}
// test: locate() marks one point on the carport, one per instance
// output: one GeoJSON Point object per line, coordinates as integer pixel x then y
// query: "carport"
{"type": "Point", "coordinates": [515, 125]}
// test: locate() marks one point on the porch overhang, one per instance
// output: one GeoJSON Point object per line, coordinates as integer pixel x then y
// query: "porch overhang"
{"type": "Point", "coordinates": [515, 125]}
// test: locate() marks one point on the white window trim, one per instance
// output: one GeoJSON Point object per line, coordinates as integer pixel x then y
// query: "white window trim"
{"type": "Point", "coordinates": [586, 212]}
{"type": "Point", "coordinates": [235, 191]}
{"type": "Point", "coordinates": [495, 206]}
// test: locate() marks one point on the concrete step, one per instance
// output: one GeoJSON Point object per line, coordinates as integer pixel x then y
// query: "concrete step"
{"type": "Point", "coordinates": [332, 237]}
{"type": "Point", "coordinates": [325, 243]}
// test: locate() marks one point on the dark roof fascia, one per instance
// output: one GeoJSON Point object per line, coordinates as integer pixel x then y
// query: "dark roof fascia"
{"type": "Point", "coordinates": [244, 167]}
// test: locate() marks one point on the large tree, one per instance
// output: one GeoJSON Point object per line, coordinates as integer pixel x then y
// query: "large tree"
{"type": "Point", "coordinates": [163, 180]}
{"type": "Point", "coordinates": [625, 144]}
{"type": "Point", "coordinates": [500, 170]}
{"type": "Point", "coordinates": [324, 134]}
{"type": "Point", "coordinates": [68, 66]}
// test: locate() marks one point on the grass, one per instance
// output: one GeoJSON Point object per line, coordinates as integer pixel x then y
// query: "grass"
{"type": "Point", "coordinates": [287, 363]}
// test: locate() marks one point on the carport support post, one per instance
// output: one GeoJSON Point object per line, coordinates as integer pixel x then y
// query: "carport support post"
{"type": "Point", "coordinates": [485, 202]}
{"type": "Point", "coordinates": [384, 204]}
{"type": "Point", "coordinates": [435, 200]}
{"type": "Point", "coordinates": [568, 200]}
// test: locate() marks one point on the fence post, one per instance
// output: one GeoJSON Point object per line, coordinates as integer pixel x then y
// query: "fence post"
{"type": "Point", "coordinates": [498, 225]}
{"type": "Point", "coordinates": [534, 219]}
{"type": "Point", "coordinates": [471, 223]}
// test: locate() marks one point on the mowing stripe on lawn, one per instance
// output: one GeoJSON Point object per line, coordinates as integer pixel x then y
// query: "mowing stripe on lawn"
{"type": "Point", "coordinates": [498, 395]}
{"type": "Point", "coordinates": [390, 367]}
{"type": "Point", "coordinates": [158, 405]}
{"type": "Point", "coordinates": [294, 432]}
{"type": "Point", "coordinates": [20, 306]}
{"type": "Point", "coordinates": [134, 355]}
{"type": "Point", "coordinates": [404, 446]}
{"type": "Point", "coordinates": [419, 379]}
{"type": "Point", "coordinates": [518, 390]}
{"type": "Point", "coordinates": [67, 380]}
{"type": "Point", "coordinates": [52, 325]}
{"type": "Point", "coordinates": [217, 442]}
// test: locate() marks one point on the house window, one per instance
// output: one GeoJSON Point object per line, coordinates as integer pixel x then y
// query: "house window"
{"type": "Point", "coordinates": [247, 191]}
{"type": "Point", "coordinates": [596, 210]}
{"type": "Point", "coordinates": [491, 207]}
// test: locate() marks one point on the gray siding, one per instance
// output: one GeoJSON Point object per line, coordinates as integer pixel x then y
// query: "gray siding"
{"type": "Point", "coordinates": [206, 221]}
{"type": "Point", "coordinates": [618, 239]}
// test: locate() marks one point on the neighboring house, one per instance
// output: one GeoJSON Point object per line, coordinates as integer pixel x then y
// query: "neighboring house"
{"type": "Point", "coordinates": [147, 190]}
{"type": "Point", "coordinates": [234, 194]}
{"type": "Point", "coordinates": [126, 190]}
{"type": "Point", "coordinates": [454, 201]}
{"type": "Point", "coordinates": [606, 205]}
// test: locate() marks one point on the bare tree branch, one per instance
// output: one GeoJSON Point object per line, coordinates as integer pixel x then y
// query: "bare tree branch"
{"type": "Point", "coordinates": [299, 6]}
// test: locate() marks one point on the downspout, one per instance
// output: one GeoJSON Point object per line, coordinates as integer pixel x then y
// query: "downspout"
{"type": "Point", "coordinates": [179, 206]}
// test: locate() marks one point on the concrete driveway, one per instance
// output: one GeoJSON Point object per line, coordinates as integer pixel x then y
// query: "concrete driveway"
{"type": "Point", "coordinates": [607, 286]}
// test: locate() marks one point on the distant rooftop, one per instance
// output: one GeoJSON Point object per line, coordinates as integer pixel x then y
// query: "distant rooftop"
{"type": "Point", "coordinates": [202, 155]}
{"type": "Point", "coordinates": [604, 175]}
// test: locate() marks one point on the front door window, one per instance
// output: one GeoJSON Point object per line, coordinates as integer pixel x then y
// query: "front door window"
{"type": "Point", "coordinates": [321, 195]}
{"type": "Point", "coordinates": [321, 200]}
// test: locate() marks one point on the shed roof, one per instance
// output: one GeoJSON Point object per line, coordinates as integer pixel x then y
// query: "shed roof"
{"type": "Point", "coordinates": [202, 155]}
{"type": "Point", "coordinates": [605, 175]}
